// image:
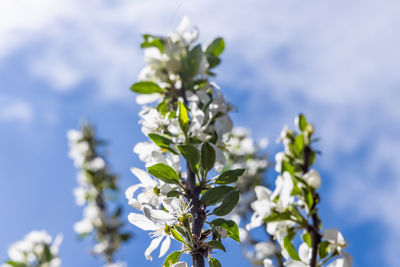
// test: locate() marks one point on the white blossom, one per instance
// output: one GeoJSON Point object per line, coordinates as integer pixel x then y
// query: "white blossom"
{"type": "Point", "coordinates": [345, 261]}
{"type": "Point", "coordinates": [313, 179]}
{"type": "Point", "coordinates": [262, 207]}
{"type": "Point", "coordinates": [335, 239]}
{"type": "Point", "coordinates": [153, 191]}
{"type": "Point", "coordinates": [158, 222]}
{"type": "Point", "coordinates": [31, 250]}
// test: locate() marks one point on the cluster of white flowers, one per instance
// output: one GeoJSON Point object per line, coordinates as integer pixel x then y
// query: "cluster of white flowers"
{"type": "Point", "coordinates": [186, 119]}
{"type": "Point", "coordinates": [94, 181]}
{"type": "Point", "coordinates": [292, 206]}
{"type": "Point", "coordinates": [37, 249]}
{"type": "Point", "coordinates": [244, 152]}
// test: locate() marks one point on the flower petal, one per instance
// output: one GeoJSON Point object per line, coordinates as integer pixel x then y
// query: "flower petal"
{"type": "Point", "coordinates": [173, 205]}
{"type": "Point", "coordinates": [153, 245]}
{"type": "Point", "coordinates": [262, 192]}
{"type": "Point", "coordinates": [165, 246]}
{"type": "Point", "coordinates": [159, 216]}
{"type": "Point", "coordinates": [131, 190]}
{"type": "Point", "coordinates": [141, 221]}
{"type": "Point", "coordinates": [144, 177]}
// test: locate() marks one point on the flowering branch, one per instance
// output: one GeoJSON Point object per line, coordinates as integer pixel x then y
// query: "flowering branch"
{"type": "Point", "coordinates": [186, 128]}
{"type": "Point", "coordinates": [95, 182]}
{"type": "Point", "coordinates": [37, 249]}
{"type": "Point", "coordinates": [243, 152]}
{"type": "Point", "coordinates": [292, 207]}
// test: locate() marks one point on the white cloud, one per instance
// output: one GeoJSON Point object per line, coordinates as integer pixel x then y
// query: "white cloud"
{"type": "Point", "coordinates": [15, 110]}
{"type": "Point", "coordinates": [341, 57]}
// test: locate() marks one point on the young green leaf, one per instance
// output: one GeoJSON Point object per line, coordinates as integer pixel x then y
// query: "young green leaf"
{"type": "Point", "coordinates": [164, 172]}
{"type": "Point", "coordinates": [16, 264]}
{"type": "Point", "coordinates": [177, 236]}
{"type": "Point", "coordinates": [287, 243]}
{"type": "Point", "coordinates": [307, 238]}
{"type": "Point", "coordinates": [230, 176]}
{"type": "Point", "coordinates": [230, 227]}
{"type": "Point", "coordinates": [216, 245]}
{"type": "Point", "coordinates": [323, 249]}
{"type": "Point", "coordinates": [207, 157]}
{"type": "Point", "coordinates": [286, 167]}
{"type": "Point", "coordinates": [302, 122]}
{"type": "Point", "coordinates": [216, 47]}
{"type": "Point", "coordinates": [191, 154]}
{"type": "Point", "coordinates": [172, 258]}
{"type": "Point", "coordinates": [146, 88]}
{"type": "Point", "coordinates": [227, 205]}
{"type": "Point", "coordinates": [215, 195]}
{"type": "Point", "coordinates": [276, 217]}
{"type": "Point", "coordinates": [299, 144]}
{"type": "Point", "coordinates": [183, 117]}
{"type": "Point", "coordinates": [173, 193]}
{"type": "Point", "coordinates": [191, 63]}
{"type": "Point", "coordinates": [212, 262]}
{"type": "Point", "coordinates": [160, 141]}
{"type": "Point", "coordinates": [153, 41]}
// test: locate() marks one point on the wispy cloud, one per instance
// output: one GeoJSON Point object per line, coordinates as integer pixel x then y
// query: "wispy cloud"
{"type": "Point", "coordinates": [335, 60]}
{"type": "Point", "coordinates": [15, 110]}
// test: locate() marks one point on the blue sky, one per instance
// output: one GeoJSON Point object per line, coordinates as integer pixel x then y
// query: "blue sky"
{"type": "Point", "coordinates": [335, 61]}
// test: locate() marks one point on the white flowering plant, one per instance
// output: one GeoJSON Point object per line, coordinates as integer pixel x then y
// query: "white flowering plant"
{"type": "Point", "coordinates": [185, 116]}
{"type": "Point", "coordinates": [244, 152]}
{"type": "Point", "coordinates": [95, 185]}
{"type": "Point", "coordinates": [37, 249]}
{"type": "Point", "coordinates": [292, 208]}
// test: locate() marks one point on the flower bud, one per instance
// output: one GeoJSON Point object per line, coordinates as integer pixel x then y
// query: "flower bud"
{"type": "Point", "coordinates": [313, 179]}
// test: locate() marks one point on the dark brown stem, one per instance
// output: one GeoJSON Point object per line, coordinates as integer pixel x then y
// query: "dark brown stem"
{"type": "Point", "coordinates": [315, 239]}
{"type": "Point", "coordinates": [312, 229]}
{"type": "Point", "coordinates": [198, 218]}
{"type": "Point", "coordinates": [198, 214]}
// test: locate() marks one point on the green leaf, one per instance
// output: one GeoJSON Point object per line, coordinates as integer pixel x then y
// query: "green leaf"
{"type": "Point", "coordinates": [47, 254]}
{"type": "Point", "coordinates": [216, 47]}
{"type": "Point", "coordinates": [212, 262]}
{"type": "Point", "coordinates": [302, 122]}
{"type": "Point", "coordinates": [164, 172]}
{"type": "Point", "coordinates": [230, 176]}
{"type": "Point", "coordinates": [290, 248]}
{"type": "Point", "coordinates": [191, 154]}
{"type": "Point", "coordinates": [177, 236]}
{"type": "Point", "coordinates": [183, 117]}
{"type": "Point", "coordinates": [230, 227]}
{"type": "Point", "coordinates": [323, 249]}
{"type": "Point", "coordinates": [229, 202]}
{"type": "Point", "coordinates": [307, 238]}
{"type": "Point", "coordinates": [213, 61]}
{"type": "Point", "coordinates": [216, 245]}
{"type": "Point", "coordinates": [160, 141]}
{"type": "Point", "coordinates": [215, 195]}
{"type": "Point", "coordinates": [299, 144]}
{"type": "Point", "coordinates": [146, 88]}
{"type": "Point", "coordinates": [312, 158]}
{"type": "Point", "coordinates": [16, 264]}
{"type": "Point", "coordinates": [286, 167]}
{"type": "Point", "coordinates": [207, 157]}
{"type": "Point", "coordinates": [192, 62]}
{"type": "Point", "coordinates": [172, 258]}
{"type": "Point", "coordinates": [308, 197]}
{"type": "Point", "coordinates": [152, 41]}
{"type": "Point", "coordinates": [173, 193]}
{"type": "Point", "coordinates": [283, 216]}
